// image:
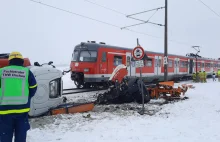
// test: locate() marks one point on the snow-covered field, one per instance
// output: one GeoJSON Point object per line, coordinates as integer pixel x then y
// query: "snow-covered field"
{"type": "Point", "coordinates": [196, 119]}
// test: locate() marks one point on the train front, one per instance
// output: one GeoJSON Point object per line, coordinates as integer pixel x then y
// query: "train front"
{"type": "Point", "coordinates": [83, 65]}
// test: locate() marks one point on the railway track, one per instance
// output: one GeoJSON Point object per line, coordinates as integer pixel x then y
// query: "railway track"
{"type": "Point", "coordinates": [76, 90]}
{"type": "Point", "coordinates": [70, 91]}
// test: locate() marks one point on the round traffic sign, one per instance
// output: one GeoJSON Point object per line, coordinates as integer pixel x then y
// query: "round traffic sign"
{"type": "Point", "coordinates": [138, 53]}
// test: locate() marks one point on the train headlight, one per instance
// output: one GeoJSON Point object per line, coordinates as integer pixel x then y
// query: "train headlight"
{"type": "Point", "coordinates": [86, 70]}
{"type": "Point", "coordinates": [55, 87]}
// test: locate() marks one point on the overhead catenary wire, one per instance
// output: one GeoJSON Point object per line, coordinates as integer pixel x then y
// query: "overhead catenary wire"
{"type": "Point", "coordinates": [143, 21]}
{"type": "Point", "coordinates": [121, 13]}
{"type": "Point", "coordinates": [128, 16]}
{"type": "Point", "coordinates": [93, 19]}
{"type": "Point", "coordinates": [209, 8]}
{"type": "Point", "coordinates": [70, 12]}
{"type": "Point", "coordinates": [145, 11]}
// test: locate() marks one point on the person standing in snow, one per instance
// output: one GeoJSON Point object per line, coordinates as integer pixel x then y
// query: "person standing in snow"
{"type": "Point", "coordinates": [17, 87]}
{"type": "Point", "coordinates": [201, 76]}
{"type": "Point", "coordinates": [213, 76]}
{"type": "Point", "coordinates": [194, 77]}
{"type": "Point", "coordinates": [204, 76]}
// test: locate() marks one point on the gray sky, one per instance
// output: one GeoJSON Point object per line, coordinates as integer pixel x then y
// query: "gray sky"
{"type": "Point", "coordinates": [43, 34]}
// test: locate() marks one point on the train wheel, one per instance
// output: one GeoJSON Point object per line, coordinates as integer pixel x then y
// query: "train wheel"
{"type": "Point", "coordinates": [79, 84]}
{"type": "Point", "coordinates": [87, 85]}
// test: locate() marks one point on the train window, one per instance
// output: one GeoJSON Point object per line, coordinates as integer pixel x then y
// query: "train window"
{"type": "Point", "coordinates": [181, 64]}
{"type": "Point", "coordinates": [88, 56]}
{"type": "Point", "coordinates": [75, 55]}
{"type": "Point", "coordinates": [103, 56]}
{"type": "Point", "coordinates": [117, 60]}
{"type": "Point", "coordinates": [128, 61]}
{"type": "Point", "coordinates": [203, 64]}
{"type": "Point", "coordinates": [207, 65]}
{"type": "Point", "coordinates": [170, 63]}
{"type": "Point", "coordinates": [148, 63]}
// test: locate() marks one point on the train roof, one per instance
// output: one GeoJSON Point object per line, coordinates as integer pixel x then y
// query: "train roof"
{"type": "Point", "coordinates": [95, 46]}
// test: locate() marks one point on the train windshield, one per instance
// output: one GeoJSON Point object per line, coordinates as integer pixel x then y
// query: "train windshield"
{"type": "Point", "coordinates": [88, 56]}
{"type": "Point", "coordinates": [75, 55]}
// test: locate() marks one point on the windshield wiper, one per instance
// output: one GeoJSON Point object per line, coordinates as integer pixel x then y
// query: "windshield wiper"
{"type": "Point", "coordinates": [88, 52]}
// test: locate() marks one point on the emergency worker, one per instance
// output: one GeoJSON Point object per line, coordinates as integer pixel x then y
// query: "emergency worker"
{"type": "Point", "coordinates": [194, 77]}
{"type": "Point", "coordinates": [17, 87]}
{"type": "Point", "coordinates": [204, 76]}
{"type": "Point", "coordinates": [213, 76]}
{"type": "Point", "coordinates": [218, 73]}
{"type": "Point", "coordinates": [197, 78]}
{"type": "Point", "coordinates": [200, 76]}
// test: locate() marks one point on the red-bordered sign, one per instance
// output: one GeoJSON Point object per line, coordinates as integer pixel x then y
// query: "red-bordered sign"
{"type": "Point", "coordinates": [138, 53]}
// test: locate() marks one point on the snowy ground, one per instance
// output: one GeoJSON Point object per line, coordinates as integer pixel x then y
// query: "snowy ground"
{"type": "Point", "coordinates": [193, 120]}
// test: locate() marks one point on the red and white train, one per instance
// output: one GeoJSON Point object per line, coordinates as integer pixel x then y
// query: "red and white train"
{"type": "Point", "coordinates": [93, 63]}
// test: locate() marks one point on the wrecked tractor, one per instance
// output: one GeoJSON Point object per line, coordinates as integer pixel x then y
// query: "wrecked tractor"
{"type": "Point", "coordinates": [123, 90]}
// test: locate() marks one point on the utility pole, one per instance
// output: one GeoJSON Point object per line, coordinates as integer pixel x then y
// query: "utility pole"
{"type": "Point", "coordinates": [196, 56]}
{"type": "Point", "coordinates": [165, 32]}
{"type": "Point", "coordinates": [165, 44]}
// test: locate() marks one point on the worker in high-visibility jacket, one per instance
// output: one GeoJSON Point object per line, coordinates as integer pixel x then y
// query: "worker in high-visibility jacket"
{"type": "Point", "coordinates": [218, 74]}
{"type": "Point", "coordinates": [200, 76]}
{"type": "Point", "coordinates": [197, 78]}
{"type": "Point", "coordinates": [17, 87]}
{"type": "Point", "coordinates": [194, 77]}
{"type": "Point", "coordinates": [204, 76]}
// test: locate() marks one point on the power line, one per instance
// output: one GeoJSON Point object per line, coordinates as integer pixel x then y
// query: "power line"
{"type": "Point", "coordinates": [63, 10]}
{"type": "Point", "coordinates": [145, 11]}
{"type": "Point", "coordinates": [143, 21]}
{"type": "Point", "coordinates": [106, 7]}
{"type": "Point", "coordinates": [86, 17]}
{"type": "Point", "coordinates": [209, 8]}
{"type": "Point", "coordinates": [128, 16]}
{"type": "Point", "coordinates": [70, 12]}
{"type": "Point", "coordinates": [126, 28]}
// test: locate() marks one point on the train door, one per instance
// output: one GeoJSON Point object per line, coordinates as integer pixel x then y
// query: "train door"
{"type": "Point", "coordinates": [157, 65]}
{"type": "Point", "coordinates": [103, 64]}
{"type": "Point", "coordinates": [115, 59]}
{"type": "Point", "coordinates": [202, 66]}
{"type": "Point", "coordinates": [130, 66]}
{"type": "Point", "coordinates": [190, 67]}
{"type": "Point", "coordinates": [176, 65]}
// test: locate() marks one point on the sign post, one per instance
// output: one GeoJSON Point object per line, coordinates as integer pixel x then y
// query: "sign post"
{"type": "Point", "coordinates": [138, 54]}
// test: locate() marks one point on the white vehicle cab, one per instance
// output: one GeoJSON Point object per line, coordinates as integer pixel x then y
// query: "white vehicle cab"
{"type": "Point", "coordinates": [49, 91]}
